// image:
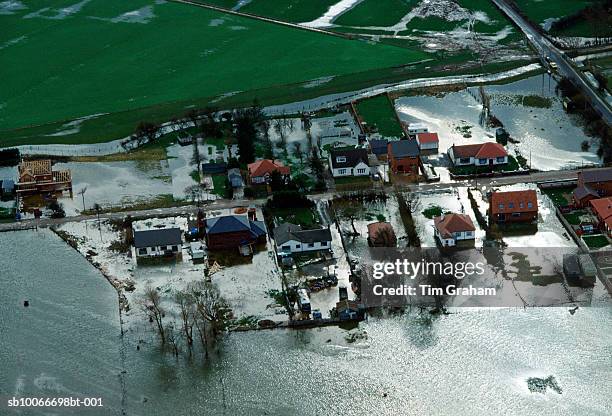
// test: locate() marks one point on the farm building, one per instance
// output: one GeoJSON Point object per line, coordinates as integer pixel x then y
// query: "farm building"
{"type": "Point", "coordinates": [404, 156]}
{"type": "Point", "coordinates": [513, 206]}
{"type": "Point", "coordinates": [291, 238]}
{"type": "Point", "coordinates": [261, 171]}
{"type": "Point", "coordinates": [38, 176]}
{"type": "Point", "coordinates": [349, 162]}
{"type": "Point", "coordinates": [233, 231]}
{"type": "Point", "coordinates": [428, 141]}
{"type": "Point", "coordinates": [381, 234]}
{"type": "Point", "coordinates": [451, 228]}
{"type": "Point", "coordinates": [483, 154]}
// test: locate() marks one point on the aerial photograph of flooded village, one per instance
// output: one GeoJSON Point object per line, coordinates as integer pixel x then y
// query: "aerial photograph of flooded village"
{"type": "Point", "coordinates": [306, 207]}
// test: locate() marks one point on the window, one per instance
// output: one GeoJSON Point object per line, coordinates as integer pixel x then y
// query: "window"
{"type": "Point", "coordinates": [511, 205]}
{"type": "Point", "coordinates": [521, 205]}
{"type": "Point", "coordinates": [516, 214]}
{"type": "Point", "coordinates": [174, 249]}
{"type": "Point", "coordinates": [361, 170]}
{"type": "Point", "coordinates": [324, 243]}
{"type": "Point", "coordinates": [342, 171]}
{"type": "Point", "coordinates": [341, 159]}
{"type": "Point", "coordinates": [286, 248]}
{"type": "Point", "coordinates": [501, 206]}
{"type": "Point", "coordinates": [468, 233]}
{"type": "Point", "coordinates": [142, 251]}
{"type": "Point", "coordinates": [501, 159]}
{"type": "Point", "coordinates": [311, 245]}
{"type": "Point", "coordinates": [464, 160]}
{"type": "Point", "coordinates": [482, 161]}
{"type": "Point", "coordinates": [298, 246]}
{"type": "Point", "coordinates": [529, 204]}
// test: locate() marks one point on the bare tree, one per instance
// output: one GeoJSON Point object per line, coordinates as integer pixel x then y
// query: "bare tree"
{"type": "Point", "coordinates": [151, 305]}
{"type": "Point", "coordinates": [211, 311]}
{"type": "Point", "coordinates": [187, 311]}
{"type": "Point", "coordinates": [297, 151]}
{"type": "Point", "coordinates": [171, 337]}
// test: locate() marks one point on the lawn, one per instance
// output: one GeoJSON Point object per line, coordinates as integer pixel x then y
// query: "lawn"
{"type": "Point", "coordinates": [118, 63]}
{"type": "Point", "coordinates": [220, 185]}
{"type": "Point", "coordinates": [305, 217]}
{"type": "Point", "coordinates": [559, 196]}
{"type": "Point", "coordinates": [595, 241]}
{"type": "Point", "coordinates": [574, 217]}
{"type": "Point", "coordinates": [378, 111]}
{"type": "Point", "coordinates": [353, 180]}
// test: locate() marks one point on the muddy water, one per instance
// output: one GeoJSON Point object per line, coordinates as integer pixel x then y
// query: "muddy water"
{"type": "Point", "coordinates": [474, 361]}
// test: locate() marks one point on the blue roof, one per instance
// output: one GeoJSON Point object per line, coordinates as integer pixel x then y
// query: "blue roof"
{"type": "Point", "coordinates": [234, 223]}
{"type": "Point", "coordinates": [379, 146]}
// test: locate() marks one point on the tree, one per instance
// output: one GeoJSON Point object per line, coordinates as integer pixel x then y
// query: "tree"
{"type": "Point", "coordinates": [297, 151]}
{"type": "Point", "coordinates": [602, 81]}
{"type": "Point", "coordinates": [57, 209]}
{"type": "Point", "coordinates": [146, 132]}
{"type": "Point", "coordinates": [187, 311]}
{"type": "Point", "coordinates": [246, 132]}
{"type": "Point", "coordinates": [317, 168]}
{"type": "Point", "coordinates": [151, 305]}
{"type": "Point", "coordinates": [211, 311]}
{"type": "Point", "coordinates": [348, 210]}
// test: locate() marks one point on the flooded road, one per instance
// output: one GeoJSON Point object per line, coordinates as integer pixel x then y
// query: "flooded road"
{"type": "Point", "coordinates": [67, 343]}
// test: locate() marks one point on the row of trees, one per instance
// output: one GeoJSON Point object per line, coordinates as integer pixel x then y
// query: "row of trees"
{"type": "Point", "coordinates": [201, 315]}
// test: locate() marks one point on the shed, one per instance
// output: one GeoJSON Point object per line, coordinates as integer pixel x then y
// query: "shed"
{"type": "Point", "coordinates": [212, 168]}
{"type": "Point", "coordinates": [235, 178]}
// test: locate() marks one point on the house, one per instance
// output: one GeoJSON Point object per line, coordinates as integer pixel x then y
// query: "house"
{"type": "Point", "coordinates": [592, 184]}
{"type": "Point", "coordinates": [261, 171]}
{"type": "Point", "coordinates": [381, 234]}
{"type": "Point", "coordinates": [349, 162]}
{"type": "Point", "coordinates": [291, 238]}
{"type": "Point", "coordinates": [513, 206]}
{"type": "Point", "coordinates": [483, 154]}
{"type": "Point", "coordinates": [602, 208]}
{"type": "Point", "coordinates": [347, 310]}
{"type": "Point", "coordinates": [38, 176]}
{"type": "Point", "coordinates": [415, 128]}
{"type": "Point", "coordinates": [7, 190]}
{"type": "Point", "coordinates": [233, 231]}
{"type": "Point", "coordinates": [378, 147]}
{"type": "Point", "coordinates": [451, 228]}
{"type": "Point", "coordinates": [235, 178]}
{"type": "Point", "coordinates": [157, 242]}
{"type": "Point", "coordinates": [404, 156]}
{"type": "Point", "coordinates": [428, 141]}
{"type": "Point", "coordinates": [212, 168]}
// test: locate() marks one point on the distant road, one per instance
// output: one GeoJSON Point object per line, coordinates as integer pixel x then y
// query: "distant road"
{"type": "Point", "coordinates": [225, 204]}
{"type": "Point", "coordinates": [564, 64]}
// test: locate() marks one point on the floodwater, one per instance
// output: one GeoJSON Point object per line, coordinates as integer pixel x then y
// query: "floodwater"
{"type": "Point", "coordinates": [474, 361]}
{"type": "Point", "coordinates": [548, 137]}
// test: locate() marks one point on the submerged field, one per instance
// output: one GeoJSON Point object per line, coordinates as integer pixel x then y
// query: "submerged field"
{"type": "Point", "coordinates": [64, 60]}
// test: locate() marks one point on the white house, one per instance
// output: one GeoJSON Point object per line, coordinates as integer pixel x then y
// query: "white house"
{"type": "Point", "coordinates": [291, 238]}
{"type": "Point", "coordinates": [450, 228]}
{"type": "Point", "coordinates": [163, 242]}
{"type": "Point", "coordinates": [350, 162]}
{"type": "Point", "coordinates": [427, 141]}
{"type": "Point", "coordinates": [483, 154]}
{"type": "Point", "coordinates": [416, 128]}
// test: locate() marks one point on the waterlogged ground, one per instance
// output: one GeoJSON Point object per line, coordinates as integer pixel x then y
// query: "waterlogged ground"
{"type": "Point", "coordinates": [411, 364]}
{"type": "Point", "coordinates": [548, 137]}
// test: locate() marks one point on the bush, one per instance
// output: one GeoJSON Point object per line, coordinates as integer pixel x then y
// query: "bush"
{"type": "Point", "coordinates": [9, 157]}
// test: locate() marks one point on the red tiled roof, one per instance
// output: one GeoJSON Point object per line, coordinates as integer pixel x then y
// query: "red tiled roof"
{"type": "Point", "coordinates": [267, 166]}
{"type": "Point", "coordinates": [513, 201]}
{"type": "Point", "coordinates": [453, 223]}
{"type": "Point", "coordinates": [480, 151]}
{"type": "Point", "coordinates": [602, 207]}
{"type": "Point", "coordinates": [427, 137]}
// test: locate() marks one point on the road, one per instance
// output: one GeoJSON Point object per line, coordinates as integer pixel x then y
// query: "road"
{"type": "Point", "coordinates": [225, 204]}
{"type": "Point", "coordinates": [565, 66]}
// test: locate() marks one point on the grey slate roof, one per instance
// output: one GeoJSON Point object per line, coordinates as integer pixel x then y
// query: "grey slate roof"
{"type": "Point", "coordinates": [583, 191]}
{"type": "Point", "coordinates": [234, 223]}
{"type": "Point", "coordinates": [404, 148]}
{"type": "Point", "coordinates": [8, 185]}
{"type": "Point", "coordinates": [379, 146]}
{"type": "Point", "coordinates": [160, 237]}
{"type": "Point", "coordinates": [353, 157]}
{"type": "Point", "coordinates": [597, 175]}
{"type": "Point", "coordinates": [287, 232]}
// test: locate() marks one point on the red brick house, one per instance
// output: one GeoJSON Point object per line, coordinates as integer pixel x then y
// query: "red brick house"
{"type": "Point", "coordinates": [404, 156]}
{"type": "Point", "coordinates": [261, 171]}
{"type": "Point", "coordinates": [602, 208]}
{"type": "Point", "coordinates": [592, 184]}
{"type": "Point", "coordinates": [513, 206]}
{"type": "Point", "coordinates": [233, 231]}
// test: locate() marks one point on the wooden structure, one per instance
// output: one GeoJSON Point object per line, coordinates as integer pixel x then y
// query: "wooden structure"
{"type": "Point", "coordinates": [38, 176]}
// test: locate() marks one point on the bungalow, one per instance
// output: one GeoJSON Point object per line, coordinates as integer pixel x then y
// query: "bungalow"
{"type": "Point", "coordinates": [592, 184]}
{"type": "Point", "coordinates": [235, 178]}
{"type": "Point", "coordinates": [404, 156]}
{"type": "Point", "coordinates": [349, 162]}
{"type": "Point", "coordinates": [513, 206]}
{"type": "Point", "coordinates": [291, 238]}
{"type": "Point", "coordinates": [157, 242]}
{"type": "Point", "coordinates": [381, 234]}
{"type": "Point", "coordinates": [451, 228]}
{"type": "Point", "coordinates": [483, 154]}
{"type": "Point", "coordinates": [233, 231]}
{"type": "Point", "coordinates": [261, 171]}
{"type": "Point", "coordinates": [602, 208]}
{"type": "Point", "coordinates": [428, 141]}
{"type": "Point", "coordinates": [378, 147]}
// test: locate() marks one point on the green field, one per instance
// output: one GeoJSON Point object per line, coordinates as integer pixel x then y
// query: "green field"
{"type": "Point", "coordinates": [295, 11]}
{"type": "Point", "coordinates": [540, 10]}
{"type": "Point", "coordinates": [154, 64]}
{"type": "Point", "coordinates": [379, 111]}
{"type": "Point", "coordinates": [376, 13]}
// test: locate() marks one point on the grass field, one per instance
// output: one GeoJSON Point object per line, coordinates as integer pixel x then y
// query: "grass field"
{"type": "Point", "coordinates": [378, 111]}
{"type": "Point", "coordinates": [376, 13]}
{"type": "Point", "coordinates": [538, 10]}
{"type": "Point", "coordinates": [595, 241]}
{"type": "Point", "coordinates": [295, 11]}
{"type": "Point", "coordinates": [130, 60]}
